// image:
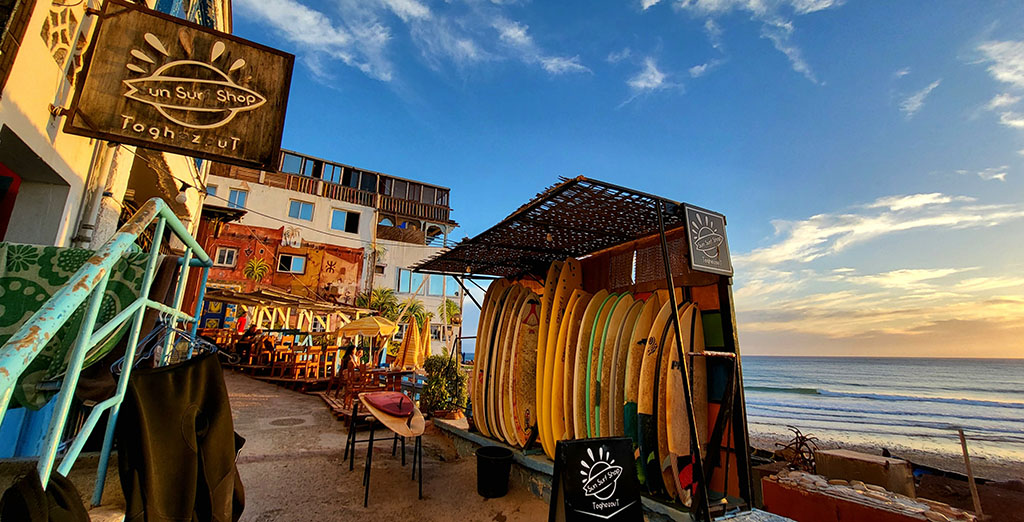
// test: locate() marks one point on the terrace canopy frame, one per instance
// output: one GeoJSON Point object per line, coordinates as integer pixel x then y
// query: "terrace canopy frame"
{"type": "Point", "coordinates": [580, 218]}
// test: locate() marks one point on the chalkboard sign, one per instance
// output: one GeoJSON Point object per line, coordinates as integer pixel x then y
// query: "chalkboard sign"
{"type": "Point", "coordinates": [595, 479]}
{"type": "Point", "coordinates": [709, 248]}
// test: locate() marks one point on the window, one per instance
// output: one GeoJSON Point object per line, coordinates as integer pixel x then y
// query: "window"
{"type": "Point", "coordinates": [386, 185]}
{"type": "Point", "coordinates": [300, 210]}
{"type": "Point", "coordinates": [350, 178]}
{"type": "Point", "coordinates": [442, 198]}
{"type": "Point", "coordinates": [414, 192]}
{"type": "Point", "coordinates": [211, 190]}
{"type": "Point", "coordinates": [332, 173]}
{"type": "Point", "coordinates": [311, 168]}
{"type": "Point", "coordinates": [452, 288]}
{"type": "Point", "coordinates": [225, 256]}
{"type": "Point", "coordinates": [400, 188]}
{"type": "Point", "coordinates": [345, 221]}
{"type": "Point", "coordinates": [236, 198]}
{"type": "Point", "coordinates": [292, 264]}
{"type": "Point", "coordinates": [378, 269]}
{"type": "Point", "coordinates": [428, 195]}
{"type": "Point", "coordinates": [291, 163]}
{"type": "Point", "coordinates": [436, 285]}
{"type": "Point", "coordinates": [408, 282]}
{"type": "Point", "coordinates": [368, 182]}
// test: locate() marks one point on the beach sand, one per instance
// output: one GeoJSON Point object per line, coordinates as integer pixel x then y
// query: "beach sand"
{"type": "Point", "coordinates": [984, 467]}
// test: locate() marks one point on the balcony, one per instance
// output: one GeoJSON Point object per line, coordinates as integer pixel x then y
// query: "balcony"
{"type": "Point", "coordinates": [397, 207]}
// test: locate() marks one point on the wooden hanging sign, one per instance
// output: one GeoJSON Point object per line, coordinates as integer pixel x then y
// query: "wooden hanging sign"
{"type": "Point", "coordinates": [162, 83]}
{"type": "Point", "coordinates": [595, 480]}
{"type": "Point", "coordinates": [709, 247]}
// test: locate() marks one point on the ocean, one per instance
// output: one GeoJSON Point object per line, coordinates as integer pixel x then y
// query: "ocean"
{"type": "Point", "coordinates": [891, 402]}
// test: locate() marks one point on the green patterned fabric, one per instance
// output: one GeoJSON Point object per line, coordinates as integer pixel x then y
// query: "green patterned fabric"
{"type": "Point", "coordinates": [29, 276]}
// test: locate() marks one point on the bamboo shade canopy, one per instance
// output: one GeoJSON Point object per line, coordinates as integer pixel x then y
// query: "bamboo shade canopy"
{"type": "Point", "coordinates": [573, 218]}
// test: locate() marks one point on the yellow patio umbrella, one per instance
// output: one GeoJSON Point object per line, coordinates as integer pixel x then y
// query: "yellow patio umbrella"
{"type": "Point", "coordinates": [372, 326]}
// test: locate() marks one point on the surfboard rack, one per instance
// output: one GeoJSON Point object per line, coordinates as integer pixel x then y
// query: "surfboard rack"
{"type": "Point", "coordinates": [627, 241]}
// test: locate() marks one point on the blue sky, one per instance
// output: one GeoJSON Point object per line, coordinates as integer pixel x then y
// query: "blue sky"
{"type": "Point", "coordinates": [869, 155]}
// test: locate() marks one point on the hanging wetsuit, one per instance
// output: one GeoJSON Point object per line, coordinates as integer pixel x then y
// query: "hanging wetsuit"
{"type": "Point", "coordinates": [177, 446]}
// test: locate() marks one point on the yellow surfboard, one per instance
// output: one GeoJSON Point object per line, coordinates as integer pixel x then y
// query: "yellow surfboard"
{"type": "Point", "coordinates": [617, 382]}
{"type": "Point", "coordinates": [570, 278]}
{"type": "Point", "coordinates": [582, 355]}
{"type": "Point", "coordinates": [593, 362]}
{"type": "Point", "coordinates": [602, 375]}
{"type": "Point", "coordinates": [547, 297]}
{"type": "Point", "coordinates": [557, 367]}
{"type": "Point", "coordinates": [522, 389]}
{"type": "Point", "coordinates": [503, 393]}
{"type": "Point", "coordinates": [568, 364]}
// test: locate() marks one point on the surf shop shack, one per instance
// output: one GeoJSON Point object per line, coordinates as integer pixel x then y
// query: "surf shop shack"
{"type": "Point", "coordinates": [577, 340]}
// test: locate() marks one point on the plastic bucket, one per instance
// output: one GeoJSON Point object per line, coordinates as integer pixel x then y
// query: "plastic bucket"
{"type": "Point", "coordinates": [493, 465]}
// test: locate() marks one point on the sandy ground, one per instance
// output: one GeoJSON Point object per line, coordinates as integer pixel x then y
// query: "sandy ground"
{"type": "Point", "coordinates": [293, 471]}
{"type": "Point", "coordinates": [989, 468]}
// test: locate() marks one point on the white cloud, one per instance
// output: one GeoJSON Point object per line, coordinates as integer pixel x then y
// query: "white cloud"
{"type": "Point", "coordinates": [905, 278]}
{"type": "Point", "coordinates": [561, 65]}
{"type": "Point", "coordinates": [774, 16]}
{"type": "Point", "coordinates": [1002, 100]}
{"type": "Point", "coordinates": [616, 57]}
{"type": "Point", "coordinates": [901, 72]}
{"type": "Point", "coordinates": [914, 102]}
{"type": "Point", "coordinates": [516, 36]}
{"type": "Point", "coordinates": [700, 70]}
{"type": "Point", "coordinates": [989, 174]}
{"type": "Point", "coordinates": [1007, 61]}
{"type": "Point", "coordinates": [408, 9]}
{"type": "Point", "coordinates": [646, 4]}
{"type": "Point", "coordinates": [1012, 119]}
{"type": "Point", "coordinates": [825, 235]}
{"type": "Point", "coordinates": [649, 78]}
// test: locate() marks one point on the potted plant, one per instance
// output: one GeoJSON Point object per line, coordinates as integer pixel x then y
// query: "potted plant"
{"type": "Point", "coordinates": [444, 393]}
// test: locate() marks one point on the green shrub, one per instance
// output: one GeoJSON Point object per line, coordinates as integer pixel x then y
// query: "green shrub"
{"type": "Point", "coordinates": [445, 388]}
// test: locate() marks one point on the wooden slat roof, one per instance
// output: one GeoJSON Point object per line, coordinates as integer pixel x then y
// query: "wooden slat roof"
{"type": "Point", "coordinates": [575, 217]}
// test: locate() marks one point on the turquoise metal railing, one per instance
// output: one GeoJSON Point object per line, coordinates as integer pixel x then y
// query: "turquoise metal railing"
{"type": "Point", "coordinates": [88, 284]}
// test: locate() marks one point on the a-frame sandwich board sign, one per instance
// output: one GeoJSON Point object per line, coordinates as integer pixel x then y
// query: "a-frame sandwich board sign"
{"type": "Point", "coordinates": [595, 480]}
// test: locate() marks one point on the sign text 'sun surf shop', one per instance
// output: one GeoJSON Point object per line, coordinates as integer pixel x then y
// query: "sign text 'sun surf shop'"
{"type": "Point", "coordinates": [162, 83]}
{"type": "Point", "coordinates": [709, 247]}
{"type": "Point", "coordinates": [595, 480]}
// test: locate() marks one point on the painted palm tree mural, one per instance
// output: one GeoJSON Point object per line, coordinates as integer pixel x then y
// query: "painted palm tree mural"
{"type": "Point", "coordinates": [256, 269]}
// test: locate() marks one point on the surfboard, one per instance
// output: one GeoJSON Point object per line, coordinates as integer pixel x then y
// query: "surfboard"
{"type": "Point", "coordinates": [494, 363]}
{"type": "Point", "coordinates": [617, 382]}
{"type": "Point", "coordinates": [647, 429]}
{"type": "Point", "coordinates": [494, 290]}
{"type": "Point", "coordinates": [661, 401]}
{"type": "Point", "coordinates": [582, 355]}
{"type": "Point", "coordinates": [634, 359]}
{"type": "Point", "coordinates": [568, 363]}
{"type": "Point", "coordinates": [503, 395]}
{"type": "Point", "coordinates": [603, 371]}
{"type": "Point", "coordinates": [547, 300]}
{"type": "Point", "coordinates": [556, 394]}
{"type": "Point", "coordinates": [680, 452]}
{"type": "Point", "coordinates": [593, 355]}
{"type": "Point", "coordinates": [570, 278]}
{"type": "Point", "coordinates": [484, 346]}
{"type": "Point", "coordinates": [523, 390]}
{"type": "Point", "coordinates": [501, 362]}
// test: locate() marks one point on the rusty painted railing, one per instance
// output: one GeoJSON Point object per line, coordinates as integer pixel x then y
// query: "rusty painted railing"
{"type": "Point", "coordinates": [88, 285]}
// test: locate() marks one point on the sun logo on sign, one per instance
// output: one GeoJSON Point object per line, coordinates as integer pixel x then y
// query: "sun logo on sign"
{"type": "Point", "coordinates": [602, 474]}
{"type": "Point", "coordinates": [708, 238]}
{"type": "Point", "coordinates": [190, 93]}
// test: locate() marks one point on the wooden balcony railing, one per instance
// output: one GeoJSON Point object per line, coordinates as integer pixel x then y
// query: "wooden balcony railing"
{"type": "Point", "coordinates": [405, 207]}
{"type": "Point", "coordinates": [318, 187]}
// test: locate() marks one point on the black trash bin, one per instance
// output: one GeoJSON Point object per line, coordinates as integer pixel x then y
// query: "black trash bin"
{"type": "Point", "coordinates": [493, 465]}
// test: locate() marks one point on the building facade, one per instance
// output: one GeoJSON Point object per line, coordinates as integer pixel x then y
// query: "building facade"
{"type": "Point", "coordinates": [67, 190]}
{"type": "Point", "coordinates": [329, 231]}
